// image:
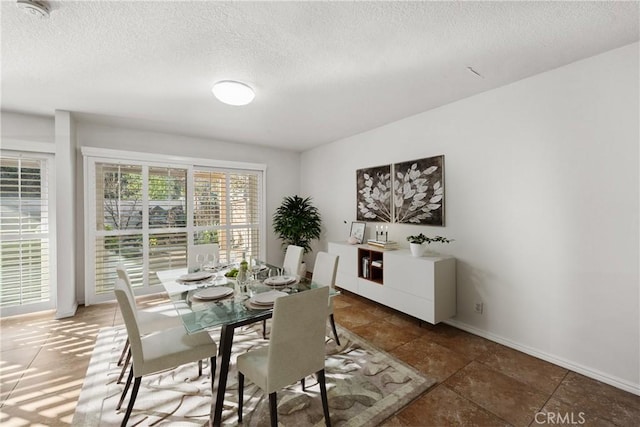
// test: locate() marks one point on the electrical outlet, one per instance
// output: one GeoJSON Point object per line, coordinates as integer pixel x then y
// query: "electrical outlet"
{"type": "Point", "coordinates": [479, 307]}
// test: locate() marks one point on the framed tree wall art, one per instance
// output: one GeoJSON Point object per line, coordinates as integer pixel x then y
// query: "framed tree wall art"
{"type": "Point", "coordinates": [374, 194]}
{"type": "Point", "coordinates": [418, 191]}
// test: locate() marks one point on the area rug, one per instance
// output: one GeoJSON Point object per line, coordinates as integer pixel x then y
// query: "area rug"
{"type": "Point", "coordinates": [365, 386]}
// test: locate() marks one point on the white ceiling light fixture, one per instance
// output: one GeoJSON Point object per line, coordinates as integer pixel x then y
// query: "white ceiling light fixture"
{"type": "Point", "coordinates": [39, 9]}
{"type": "Point", "coordinates": [233, 93]}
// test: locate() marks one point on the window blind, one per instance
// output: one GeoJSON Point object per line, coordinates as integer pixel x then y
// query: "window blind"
{"type": "Point", "coordinates": [25, 252]}
{"type": "Point", "coordinates": [226, 206]}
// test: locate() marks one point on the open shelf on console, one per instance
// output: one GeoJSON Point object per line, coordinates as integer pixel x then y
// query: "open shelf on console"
{"type": "Point", "coordinates": [370, 265]}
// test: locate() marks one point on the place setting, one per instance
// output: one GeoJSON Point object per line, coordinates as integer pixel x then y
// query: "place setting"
{"type": "Point", "coordinates": [264, 300]}
{"type": "Point", "coordinates": [212, 293]}
{"type": "Point", "coordinates": [279, 281]}
{"type": "Point", "coordinates": [194, 278]}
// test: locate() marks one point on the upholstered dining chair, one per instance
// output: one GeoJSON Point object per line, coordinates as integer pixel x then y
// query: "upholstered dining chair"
{"type": "Point", "coordinates": [296, 349]}
{"type": "Point", "coordinates": [291, 266]}
{"type": "Point", "coordinates": [158, 351]}
{"type": "Point", "coordinates": [206, 250]}
{"type": "Point", "coordinates": [148, 321]}
{"type": "Point", "coordinates": [292, 259]}
{"type": "Point", "coordinates": [324, 273]}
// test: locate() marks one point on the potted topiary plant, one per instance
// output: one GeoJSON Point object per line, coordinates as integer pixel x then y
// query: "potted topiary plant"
{"type": "Point", "coordinates": [417, 243]}
{"type": "Point", "coordinates": [297, 222]}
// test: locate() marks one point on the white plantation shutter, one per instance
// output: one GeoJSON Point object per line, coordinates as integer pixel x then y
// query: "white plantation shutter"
{"type": "Point", "coordinates": [118, 224]}
{"type": "Point", "coordinates": [166, 252]}
{"type": "Point", "coordinates": [244, 213]}
{"type": "Point", "coordinates": [227, 211]}
{"type": "Point", "coordinates": [26, 279]}
{"type": "Point", "coordinates": [147, 215]}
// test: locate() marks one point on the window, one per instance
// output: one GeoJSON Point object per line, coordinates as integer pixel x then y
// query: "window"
{"type": "Point", "coordinates": [26, 231]}
{"type": "Point", "coordinates": [227, 211]}
{"type": "Point", "coordinates": [145, 215]}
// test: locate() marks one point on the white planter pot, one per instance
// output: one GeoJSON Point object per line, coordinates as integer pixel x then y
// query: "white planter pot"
{"type": "Point", "coordinates": [417, 249]}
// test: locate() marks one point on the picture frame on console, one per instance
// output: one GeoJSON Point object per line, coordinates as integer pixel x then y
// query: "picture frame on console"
{"type": "Point", "coordinates": [357, 232]}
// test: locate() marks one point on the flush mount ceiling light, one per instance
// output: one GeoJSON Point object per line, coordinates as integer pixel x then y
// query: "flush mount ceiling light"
{"type": "Point", "coordinates": [233, 93]}
{"type": "Point", "coordinates": [39, 9]}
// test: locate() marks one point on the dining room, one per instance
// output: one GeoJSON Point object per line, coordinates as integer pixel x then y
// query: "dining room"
{"type": "Point", "coordinates": [522, 117]}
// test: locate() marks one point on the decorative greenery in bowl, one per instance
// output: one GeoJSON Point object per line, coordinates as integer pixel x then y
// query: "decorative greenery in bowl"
{"type": "Point", "coordinates": [421, 238]}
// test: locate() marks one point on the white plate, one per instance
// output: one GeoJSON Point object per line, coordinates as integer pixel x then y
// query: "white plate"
{"type": "Point", "coordinates": [279, 280]}
{"type": "Point", "coordinates": [267, 298]}
{"type": "Point", "coordinates": [252, 306]}
{"type": "Point", "coordinates": [213, 293]}
{"type": "Point", "coordinates": [194, 277]}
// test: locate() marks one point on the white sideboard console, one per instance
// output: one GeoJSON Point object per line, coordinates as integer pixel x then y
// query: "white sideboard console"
{"type": "Point", "coordinates": [423, 287]}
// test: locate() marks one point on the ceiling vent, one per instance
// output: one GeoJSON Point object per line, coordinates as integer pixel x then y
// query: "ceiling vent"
{"type": "Point", "coordinates": [39, 9]}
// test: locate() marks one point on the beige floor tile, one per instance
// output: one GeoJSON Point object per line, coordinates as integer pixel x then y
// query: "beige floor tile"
{"type": "Point", "coordinates": [559, 413]}
{"type": "Point", "coordinates": [599, 400]}
{"type": "Point", "coordinates": [462, 342]}
{"type": "Point", "coordinates": [442, 407]}
{"type": "Point", "coordinates": [386, 335]}
{"type": "Point", "coordinates": [430, 358]}
{"type": "Point", "coordinates": [543, 376]}
{"type": "Point", "coordinates": [505, 397]}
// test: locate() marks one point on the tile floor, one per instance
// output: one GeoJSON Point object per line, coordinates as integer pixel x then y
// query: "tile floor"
{"type": "Point", "coordinates": [480, 383]}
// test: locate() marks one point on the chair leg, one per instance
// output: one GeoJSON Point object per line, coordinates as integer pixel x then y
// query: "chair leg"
{"type": "Point", "coordinates": [240, 395]}
{"type": "Point", "coordinates": [273, 409]}
{"type": "Point", "coordinates": [126, 388]}
{"type": "Point", "coordinates": [323, 393]}
{"type": "Point", "coordinates": [124, 351]}
{"type": "Point", "coordinates": [213, 372]}
{"type": "Point", "coordinates": [302, 384]}
{"type": "Point", "coordinates": [134, 394]}
{"type": "Point", "coordinates": [333, 326]}
{"type": "Point", "coordinates": [264, 329]}
{"type": "Point", "coordinates": [124, 367]}
{"type": "Point", "coordinates": [199, 368]}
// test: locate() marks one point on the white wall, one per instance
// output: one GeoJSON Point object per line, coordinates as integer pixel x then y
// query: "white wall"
{"type": "Point", "coordinates": [26, 127]}
{"type": "Point", "coordinates": [542, 198]}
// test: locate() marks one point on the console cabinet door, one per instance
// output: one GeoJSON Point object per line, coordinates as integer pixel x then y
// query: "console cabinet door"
{"type": "Point", "coordinates": [424, 287]}
{"type": "Point", "coordinates": [408, 274]}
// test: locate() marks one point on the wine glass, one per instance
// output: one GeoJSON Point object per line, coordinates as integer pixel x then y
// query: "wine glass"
{"type": "Point", "coordinates": [215, 266]}
{"type": "Point", "coordinates": [200, 258]}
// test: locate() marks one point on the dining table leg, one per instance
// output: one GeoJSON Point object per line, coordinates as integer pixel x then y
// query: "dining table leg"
{"type": "Point", "coordinates": [226, 341]}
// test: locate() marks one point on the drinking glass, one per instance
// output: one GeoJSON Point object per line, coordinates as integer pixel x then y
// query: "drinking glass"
{"type": "Point", "coordinates": [275, 271]}
{"type": "Point", "coordinates": [200, 258]}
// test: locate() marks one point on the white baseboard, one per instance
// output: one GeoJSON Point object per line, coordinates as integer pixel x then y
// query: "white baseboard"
{"type": "Point", "coordinates": [586, 371]}
{"type": "Point", "coordinates": [70, 313]}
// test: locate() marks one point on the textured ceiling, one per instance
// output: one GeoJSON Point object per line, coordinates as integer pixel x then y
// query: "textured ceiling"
{"type": "Point", "coordinates": [321, 70]}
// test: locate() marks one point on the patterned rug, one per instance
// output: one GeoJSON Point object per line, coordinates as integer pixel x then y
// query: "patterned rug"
{"type": "Point", "coordinates": [365, 386]}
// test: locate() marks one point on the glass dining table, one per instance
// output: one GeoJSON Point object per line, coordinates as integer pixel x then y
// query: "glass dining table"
{"type": "Point", "coordinates": [231, 310]}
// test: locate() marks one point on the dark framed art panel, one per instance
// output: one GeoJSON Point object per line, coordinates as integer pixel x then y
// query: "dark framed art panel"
{"type": "Point", "coordinates": [418, 191]}
{"type": "Point", "coordinates": [374, 194]}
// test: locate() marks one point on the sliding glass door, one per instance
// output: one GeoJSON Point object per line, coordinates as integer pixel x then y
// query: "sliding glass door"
{"type": "Point", "coordinates": [146, 216]}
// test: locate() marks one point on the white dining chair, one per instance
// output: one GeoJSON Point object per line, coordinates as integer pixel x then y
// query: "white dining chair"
{"type": "Point", "coordinates": [296, 349]}
{"type": "Point", "coordinates": [209, 250]}
{"type": "Point", "coordinates": [324, 274]}
{"type": "Point", "coordinates": [290, 266]}
{"type": "Point", "coordinates": [159, 351]}
{"type": "Point", "coordinates": [292, 260]}
{"type": "Point", "coordinates": [162, 317]}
